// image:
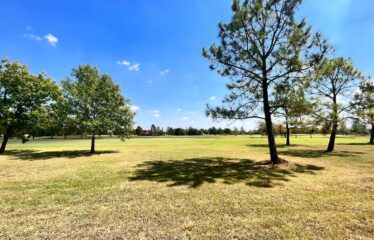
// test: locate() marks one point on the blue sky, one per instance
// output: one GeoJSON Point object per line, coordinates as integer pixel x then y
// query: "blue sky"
{"type": "Point", "coordinates": [153, 48]}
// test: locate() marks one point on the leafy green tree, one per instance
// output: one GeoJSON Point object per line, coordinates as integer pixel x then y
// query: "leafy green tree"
{"type": "Point", "coordinates": [363, 105]}
{"type": "Point", "coordinates": [23, 96]}
{"type": "Point", "coordinates": [261, 46]}
{"type": "Point", "coordinates": [180, 132]}
{"type": "Point", "coordinates": [170, 131]}
{"type": "Point", "coordinates": [139, 131]}
{"type": "Point", "coordinates": [335, 78]}
{"type": "Point", "coordinates": [98, 103]}
{"type": "Point", "coordinates": [358, 127]}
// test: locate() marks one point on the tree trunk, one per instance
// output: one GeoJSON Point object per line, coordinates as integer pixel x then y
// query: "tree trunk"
{"type": "Point", "coordinates": [7, 134]}
{"type": "Point", "coordinates": [372, 134]}
{"type": "Point", "coordinates": [93, 143]}
{"type": "Point", "coordinates": [288, 143]}
{"type": "Point", "coordinates": [269, 126]}
{"type": "Point", "coordinates": [331, 145]}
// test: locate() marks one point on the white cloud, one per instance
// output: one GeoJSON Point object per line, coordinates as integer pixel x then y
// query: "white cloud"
{"type": "Point", "coordinates": [164, 72]}
{"type": "Point", "coordinates": [156, 113]}
{"type": "Point", "coordinates": [51, 39]}
{"type": "Point", "coordinates": [134, 108]}
{"type": "Point", "coordinates": [184, 118]}
{"type": "Point", "coordinates": [179, 110]}
{"type": "Point", "coordinates": [213, 98]}
{"type": "Point", "coordinates": [32, 36]}
{"type": "Point", "coordinates": [123, 63]}
{"type": "Point", "coordinates": [135, 67]}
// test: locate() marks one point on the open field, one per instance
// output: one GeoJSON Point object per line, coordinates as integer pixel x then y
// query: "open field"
{"type": "Point", "coordinates": [187, 188]}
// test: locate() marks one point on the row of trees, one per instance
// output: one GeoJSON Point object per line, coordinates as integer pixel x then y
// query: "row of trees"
{"type": "Point", "coordinates": [279, 68]}
{"type": "Point", "coordinates": [157, 131]}
{"type": "Point", "coordinates": [86, 102]}
{"type": "Point", "coordinates": [358, 127]}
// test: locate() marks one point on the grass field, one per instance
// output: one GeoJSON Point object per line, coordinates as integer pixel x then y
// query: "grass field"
{"type": "Point", "coordinates": [187, 188]}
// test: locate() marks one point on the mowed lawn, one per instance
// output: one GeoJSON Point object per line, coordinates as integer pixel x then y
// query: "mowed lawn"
{"type": "Point", "coordinates": [187, 188]}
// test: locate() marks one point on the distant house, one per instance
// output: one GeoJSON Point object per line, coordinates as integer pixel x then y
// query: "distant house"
{"type": "Point", "coordinates": [147, 133]}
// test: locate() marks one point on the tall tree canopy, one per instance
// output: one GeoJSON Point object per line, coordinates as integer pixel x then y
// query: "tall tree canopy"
{"type": "Point", "coordinates": [261, 46]}
{"type": "Point", "coordinates": [363, 105]}
{"type": "Point", "coordinates": [98, 105]}
{"type": "Point", "coordinates": [24, 98]}
{"type": "Point", "coordinates": [335, 80]}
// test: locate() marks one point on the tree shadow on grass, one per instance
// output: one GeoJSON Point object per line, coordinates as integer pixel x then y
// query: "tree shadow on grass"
{"type": "Point", "coordinates": [197, 171]}
{"type": "Point", "coordinates": [356, 144]}
{"type": "Point", "coordinates": [31, 155]}
{"type": "Point", "coordinates": [278, 145]}
{"type": "Point", "coordinates": [317, 153]}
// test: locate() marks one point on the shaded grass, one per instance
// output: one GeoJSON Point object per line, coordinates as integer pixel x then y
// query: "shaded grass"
{"type": "Point", "coordinates": [194, 172]}
{"type": "Point", "coordinates": [32, 155]}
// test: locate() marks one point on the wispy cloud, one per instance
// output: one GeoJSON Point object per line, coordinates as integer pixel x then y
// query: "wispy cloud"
{"type": "Point", "coordinates": [164, 72]}
{"type": "Point", "coordinates": [213, 98]}
{"type": "Point", "coordinates": [51, 39]}
{"type": "Point", "coordinates": [184, 118]}
{"type": "Point", "coordinates": [131, 66]}
{"type": "Point", "coordinates": [135, 67]}
{"type": "Point", "coordinates": [135, 108]}
{"type": "Point", "coordinates": [156, 113]}
{"type": "Point", "coordinates": [123, 63]}
{"type": "Point", "coordinates": [32, 36]}
{"type": "Point", "coordinates": [179, 110]}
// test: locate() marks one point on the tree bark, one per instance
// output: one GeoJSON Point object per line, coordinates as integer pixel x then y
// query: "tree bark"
{"type": "Point", "coordinates": [372, 134]}
{"type": "Point", "coordinates": [331, 145]}
{"type": "Point", "coordinates": [93, 143]}
{"type": "Point", "coordinates": [7, 134]}
{"type": "Point", "coordinates": [288, 143]}
{"type": "Point", "coordinates": [269, 126]}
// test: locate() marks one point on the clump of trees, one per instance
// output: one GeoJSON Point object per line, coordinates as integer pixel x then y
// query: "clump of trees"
{"type": "Point", "coordinates": [272, 61]}
{"type": "Point", "coordinates": [88, 102]}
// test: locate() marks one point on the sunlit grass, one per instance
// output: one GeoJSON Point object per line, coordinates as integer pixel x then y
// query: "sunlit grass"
{"type": "Point", "coordinates": [187, 187]}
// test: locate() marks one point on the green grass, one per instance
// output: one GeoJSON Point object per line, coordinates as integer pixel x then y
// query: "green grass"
{"type": "Point", "coordinates": [187, 188]}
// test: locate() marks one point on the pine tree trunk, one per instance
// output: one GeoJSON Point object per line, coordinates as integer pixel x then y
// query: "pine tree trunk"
{"type": "Point", "coordinates": [93, 143]}
{"type": "Point", "coordinates": [372, 134]}
{"type": "Point", "coordinates": [331, 145]}
{"type": "Point", "coordinates": [288, 142]}
{"type": "Point", "coordinates": [269, 126]}
{"type": "Point", "coordinates": [7, 134]}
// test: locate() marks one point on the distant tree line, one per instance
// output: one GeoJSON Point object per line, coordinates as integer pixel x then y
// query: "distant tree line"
{"type": "Point", "coordinates": [190, 131]}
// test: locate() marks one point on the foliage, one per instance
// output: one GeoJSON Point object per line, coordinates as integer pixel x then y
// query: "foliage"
{"type": "Point", "coordinates": [25, 98]}
{"type": "Point", "coordinates": [261, 47]}
{"type": "Point", "coordinates": [363, 105]}
{"type": "Point", "coordinates": [97, 103]}
{"type": "Point", "coordinates": [335, 79]}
